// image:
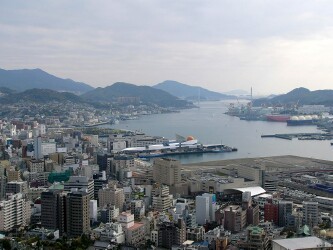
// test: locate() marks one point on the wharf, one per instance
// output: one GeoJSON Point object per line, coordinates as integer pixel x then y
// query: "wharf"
{"type": "Point", "coordinates": [187, 151]}
{"type": "Point", "coordinates": [301, 136]}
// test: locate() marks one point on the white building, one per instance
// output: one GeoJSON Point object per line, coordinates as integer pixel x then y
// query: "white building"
{"type": "Point", "coordinates": [212, 205]}
{"type": "Point", "coordinates": [110, 232]}
{"type": "Point", "coordinates": [93, 210]}
{"type": "Point", "coordinates": [126, 220]}
{"type": "Point", "coordinates": [13, 212]}
{"type": "Point", "coordinates": [48, 148]}
{"type": "Point", "coordinates": [205, 207]}
{"type": "Point", "coordinates": [202, 209]}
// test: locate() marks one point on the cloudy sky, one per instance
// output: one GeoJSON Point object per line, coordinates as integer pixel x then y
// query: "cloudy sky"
{"type": "Point", "coordinates": [273, 46]}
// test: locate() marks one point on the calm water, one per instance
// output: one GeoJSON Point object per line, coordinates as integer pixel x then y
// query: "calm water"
{"type": "Point", "coordinates": [209, 124]}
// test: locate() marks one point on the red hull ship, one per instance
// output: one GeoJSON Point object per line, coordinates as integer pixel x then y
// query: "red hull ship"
{"type": "Point", "coordinates": [278, 118]}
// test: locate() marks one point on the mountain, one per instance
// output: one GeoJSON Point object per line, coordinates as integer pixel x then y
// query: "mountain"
{"type": "Point", "coordinates": [121, 91]}
{"type": "Point", "coordinates": [40, 96]}
{"type": "Point", "coordinates": [301, 96]}
{"type": "Point", "coordinates": [6, 91]}
{"type": "Point", "coordinates": [23, 79]}
{"type": "Point", "coordinates": [185, 91]}
{"type": "Point", "coordinates": [237, 92]}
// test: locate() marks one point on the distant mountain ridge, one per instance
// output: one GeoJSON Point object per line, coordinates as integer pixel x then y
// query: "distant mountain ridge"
{"type": "Point", "coordinates": [238, 92]}
{"type": "Point", "coordinates": [185, 91]}
{"type": "Point", "coordinates": [24, 79]}
{"type": "Point", "coordinates": [143, 94]}
{"type": "Point", "coordinates": [301, 96]}
{"type": "Point", "coordinates": [40, 96]}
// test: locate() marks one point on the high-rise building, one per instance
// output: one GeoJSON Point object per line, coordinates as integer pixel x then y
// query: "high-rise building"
{"type": "Point", "coordinates": [111, 196]}
{"type": "Point", "coordinates": [161, 198]}
{"type": "Point", "coordinates": [102, 161]}
{"type": "Point", "coordinates": [121, 164]}
{"type": "Point", "coordinates": [99, 181]}
{"type": "Point", "coordinates": [16, 187]}
{"type": "Point", "coordinates": [285, 210]}
{"type": "Point", "coordinates": [170, 234]}
{"type": "Point", "coordinates": [3, 183]}
{"type": "Point", "coordinates": [13, 212]}
{"type": "Point", "coordinates": [53, 210]}
{"type": "Point", "coordinates": [167, 171]}
{"type": "Point", "coordinates": [205, 206]}
{"type": "Point", "coordinates": [310, 213]}
{"type": "Point", "coordinates": [271, 212]}
{"type": "Point", "coordinates": [80, 183]}
{"type": "Point", "coordinates": [234, 218]}
{"type": "Point", "coordinates": [77, 212]}
{"type": "Point", "coordinates": [202, 209]}
{"type": "Point", "coordinates": [38, 148]}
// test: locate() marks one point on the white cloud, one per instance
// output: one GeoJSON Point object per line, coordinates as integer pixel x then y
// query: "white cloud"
{"type": "Point", "coordinates": [273, 46]}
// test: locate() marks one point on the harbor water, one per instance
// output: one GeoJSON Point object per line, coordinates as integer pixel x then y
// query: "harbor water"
{"type": "Point", "coordinates": [210, 125]}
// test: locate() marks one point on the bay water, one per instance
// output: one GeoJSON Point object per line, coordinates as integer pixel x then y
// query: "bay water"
{"type": "Point", "coordinates": [210, 125]}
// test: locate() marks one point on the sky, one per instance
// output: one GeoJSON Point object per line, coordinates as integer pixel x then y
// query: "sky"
{"type": "Point", "coordinates": [273, 46]}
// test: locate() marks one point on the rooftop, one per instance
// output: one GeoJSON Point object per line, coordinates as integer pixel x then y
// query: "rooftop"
{"type": "Point", "coordinates": [136, 226]}
{"type": "Point", "coordinates": [302, 243]}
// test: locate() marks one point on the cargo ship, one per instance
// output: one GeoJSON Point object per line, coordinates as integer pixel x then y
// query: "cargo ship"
{"type": "Point", "coordinates": [277, 117]}
{"type": "Point", "coordinates": [302, 120]}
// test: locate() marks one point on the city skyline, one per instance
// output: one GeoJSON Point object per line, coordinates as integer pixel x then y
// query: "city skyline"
{"type": "Point", "coordinates": [220, 45]}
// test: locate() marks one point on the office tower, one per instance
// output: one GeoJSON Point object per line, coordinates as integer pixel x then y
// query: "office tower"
{"type": "Point", "coordinates": [111, 196]}
{"type": "Point", "coordinates": [205, 206]}
{"type": "Point", "coordinates": [102, 161]}
{"type": "Point", "coordinates": [80, 183]}
{"type": "Point", "coordinates": [202, 209]}
{"type": "Point", "coordinates": [167, 171]}
{"type": "Point", "coordinates": [53, 210]}
{"type": "Point", "coordinates": [77, 212]}
{"type": "Point", "coordinates": [38, 148]}
{"type": "Point", "coordinates": [310, 213]}
{"type": "Point", "coordinates": [285, 210]}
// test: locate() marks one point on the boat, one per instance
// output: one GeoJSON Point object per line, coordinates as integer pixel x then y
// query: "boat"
{"type": "Point", "coordinates": [302, 120]}
{"type": "Point", "coordinates": [277, 117]}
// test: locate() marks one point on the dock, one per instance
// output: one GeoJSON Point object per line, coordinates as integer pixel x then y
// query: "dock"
{"type": "Point", "coordinates": [301, 136]}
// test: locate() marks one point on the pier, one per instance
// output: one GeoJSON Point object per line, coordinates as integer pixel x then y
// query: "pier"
{"type": "Point", "coordinates": [301, 136]}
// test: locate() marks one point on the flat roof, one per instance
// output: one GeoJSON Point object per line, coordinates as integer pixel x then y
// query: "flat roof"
{"type": "Point", "coordinates": [135, 226]}
{"type": "Point", "coordinates": [254, 190]}
{"type": "Point", "coordinates": [302, 243]}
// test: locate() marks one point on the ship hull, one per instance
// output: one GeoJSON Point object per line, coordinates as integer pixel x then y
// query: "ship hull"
{"type": "Point", "coordinates": [277, 118]}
